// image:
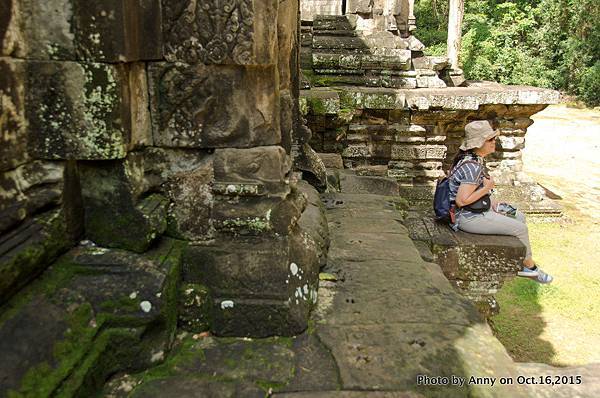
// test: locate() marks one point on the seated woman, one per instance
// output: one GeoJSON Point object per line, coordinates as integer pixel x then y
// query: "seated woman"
{"type": "Point", "coordinates": [469, 182]}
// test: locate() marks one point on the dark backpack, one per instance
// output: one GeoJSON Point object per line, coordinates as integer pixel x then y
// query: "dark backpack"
{"type": "Point", "coordinates": [442, 205]}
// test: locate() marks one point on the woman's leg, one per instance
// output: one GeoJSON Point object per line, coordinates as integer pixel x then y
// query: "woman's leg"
{"type": "Point", "coordinates": [492, 223]}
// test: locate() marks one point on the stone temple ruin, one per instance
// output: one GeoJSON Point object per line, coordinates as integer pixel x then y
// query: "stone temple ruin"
{"type": "Point", "coordinates": [155, 160]}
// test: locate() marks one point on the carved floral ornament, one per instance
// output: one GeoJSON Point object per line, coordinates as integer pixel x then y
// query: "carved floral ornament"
{"type": "Point", "coordinates": [209, 31]}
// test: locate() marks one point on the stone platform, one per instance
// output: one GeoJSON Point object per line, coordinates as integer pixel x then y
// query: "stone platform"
{"type": "Point", "coordinates": [383, 316]}
{"type": "Point", "coordinates": [412, 135]}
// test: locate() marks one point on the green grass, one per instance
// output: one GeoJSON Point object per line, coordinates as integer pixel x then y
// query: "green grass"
{"type": "Point", "coordinates": [557, 324]}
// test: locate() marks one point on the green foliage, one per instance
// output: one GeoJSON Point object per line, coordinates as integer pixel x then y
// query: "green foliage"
{"type": "Point", "coordinates": [544, 43]}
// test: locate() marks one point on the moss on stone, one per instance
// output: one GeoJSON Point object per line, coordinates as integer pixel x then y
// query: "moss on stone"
{"type": "Point", "coordinates": [29, 262]}
{"type": "Point", "coordinates": [195, 308]}
{"type": "Point", "coordinates": [42, 380]}
{"type": "Point", "coordinates": [251, 225]}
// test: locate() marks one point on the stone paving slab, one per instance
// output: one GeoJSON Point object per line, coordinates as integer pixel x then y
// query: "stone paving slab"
{"type": "Point", "coordinates": [357, 246]}
{"type": "Point", "coordinates": [390, 316]}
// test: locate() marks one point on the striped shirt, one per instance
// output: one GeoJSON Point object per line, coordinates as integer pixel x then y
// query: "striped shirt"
{"type": "Point", "coordinates": [466, 172]}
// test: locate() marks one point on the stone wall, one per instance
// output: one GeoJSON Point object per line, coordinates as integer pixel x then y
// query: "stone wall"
{"type": "Point", "coordinates": [413, 135]}
{"type": "Point", "coordinates": [126, 121]}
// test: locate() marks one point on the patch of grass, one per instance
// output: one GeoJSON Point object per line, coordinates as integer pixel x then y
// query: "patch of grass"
{"type": "Point", "coordinates": [556, 324]}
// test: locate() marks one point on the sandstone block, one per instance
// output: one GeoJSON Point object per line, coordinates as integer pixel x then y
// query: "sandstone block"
{"type": "Point", "coordinates": [359, 6]}
{"type": "Point", "coordinates": [27, 250]}
{"type": "Point", "coordinates": [398, 61]}
{"type": "Point", "coordinates": [268, 166]}
{"type": "Point", "coordinates": [421, 61]}
{"type": "Point", "coordinates": [241, 32]}
{"type": "Point", "coordinates": [191, 201]}
{"type": "Point", "coordinates": [410, 152]}
{"type": "Point", "coordinates": [198, 106]}
{"type": "Point", "coordinates": [332, 160]}
{"type": "Point", "coordinates": [339, 43]}
{"type": "Point", "coordinates": [258, 215]}
{"type": "Point", "coordinates": [29, 188]}
{"type": "Point", "coordinates": [334, 22]}
{"type": "Point", "coordinates": [13, 141]}
{"type": "Point", "coordinates": [77, 110]}
{"type": "Point", "coordinates": [116, 214]}
{"type": "Point", "coordinates": [511, 143]}
{"type": "Point", "coordinates": [260, 285]}
{"type": "Point", "coordinates": [108, 31]}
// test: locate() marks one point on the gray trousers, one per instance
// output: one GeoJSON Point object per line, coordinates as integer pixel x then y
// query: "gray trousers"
{"type": "Point", "coordinates": [492, 223]}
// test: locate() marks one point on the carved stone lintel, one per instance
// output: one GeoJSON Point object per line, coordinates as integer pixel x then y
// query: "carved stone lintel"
{"type": "Point", "coordinates": [220, 32]}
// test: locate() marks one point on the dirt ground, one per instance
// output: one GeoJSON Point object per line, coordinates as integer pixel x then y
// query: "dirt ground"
{"type": "Point", "coordinates": [562, 153]}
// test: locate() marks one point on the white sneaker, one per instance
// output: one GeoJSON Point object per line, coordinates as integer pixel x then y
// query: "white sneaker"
{"type": "Point", "coordinates": [544, 277]}
{"type": "Point", "coordinates": [529, 272]}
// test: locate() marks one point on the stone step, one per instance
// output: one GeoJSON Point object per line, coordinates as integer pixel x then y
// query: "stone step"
{"type": "Point", "coordinates": [94, 312]}
{"type": "Point", "coordinates": [352, 183]}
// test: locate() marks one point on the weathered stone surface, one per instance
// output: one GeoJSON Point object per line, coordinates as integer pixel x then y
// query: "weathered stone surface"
{"type": "Point", "coordinates": [410, 152]}
{"type": "Point", "coordinates": [77, 111]}
{"type": "Point", "coordinates": [200, 106]}
{"type": "Point", "coordinates": [312, 167]}
{"type": "Point", "coordinates": [453, 77]}
{"type": "Point", "coordinates": [260, 286]}
{"type": "Point", "coordinates": [377, 344]}
{"type": "Point", "coordinates": [29, 249]}
{"type": "Point", "coordinates": [391, 60]}
{"type": "Point", "coordinates": [111, 31]}
{"type": "Point", "coordinates": [322, 102]}
{"type": "Point", "coordinates": [333, 21]}
{"type": "Point", "coordinates": [194, 308]}
{"type": "Point", "coordinates": [13, 141]}
{"type": "Point", "coordinates": [141, 123]}
{"type": "Point", "coordinates": [190, 387]}
{"type": "Point", "coordinates": [242, 214]}
{"type": "Point", "coordinates": [359, 6]}
{"type": "Point", "coordinates": [268, 166]}
{"type": "Point", "coordinates": [186, 179]}
{"type": "Point", "coordinates": [421, 61]}
{"type": "Point", "coordinates": [370, 98]}
{"type": "Point", "coordinates": [103, 311]}
{"type": "Point", "coordinates": [351, 183]}
{"type": "Point", "coordinates": [314, 221]}
{"type": "Point", "coordinates": [189, 214]}
{"type": "Point", "coordinates": [236, 32]}
{"type": "Point", "coordinates": [28, 189]}
{"type": "Point", "coordinates": [476, 265]}
{"type": "Point", "coordinates": [115, 213]}
{"type": "Point", "coordinates": [332, 160]}
{"type": "Point", "coordinates": [476, 94]}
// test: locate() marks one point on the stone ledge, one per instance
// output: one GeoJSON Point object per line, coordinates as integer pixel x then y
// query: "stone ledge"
{"type": "Point", "coordinates": [451, 98]}
{"type": "Point", "coordinates": [476, 265]}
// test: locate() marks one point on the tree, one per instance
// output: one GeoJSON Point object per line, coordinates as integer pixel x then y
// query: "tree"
{"type": "Point", "coordinates": [455, 17]}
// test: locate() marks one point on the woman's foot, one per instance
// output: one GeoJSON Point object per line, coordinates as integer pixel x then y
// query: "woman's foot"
{"type": "Point", "coordinates": [529, 272]}
{"type": "Point", "coordinates": [536, 274]}
{"type": "Point", "coordinates": [544, 277]}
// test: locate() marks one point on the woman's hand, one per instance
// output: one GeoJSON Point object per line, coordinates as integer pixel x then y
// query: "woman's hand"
{"type": "Point", "coordinates": [488, 183]}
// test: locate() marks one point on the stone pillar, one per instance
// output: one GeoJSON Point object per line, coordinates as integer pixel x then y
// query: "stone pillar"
{"type": "Point", "coordinates": [229, 86]}
{"type": "Point", "coordinates": [405, 17]}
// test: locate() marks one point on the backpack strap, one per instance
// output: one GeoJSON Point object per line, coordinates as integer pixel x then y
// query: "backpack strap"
{"type": "Point", "coordinates": [455, 168]}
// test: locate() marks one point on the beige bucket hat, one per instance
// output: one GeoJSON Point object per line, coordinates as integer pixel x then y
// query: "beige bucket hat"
{"type": "Point", "coordinates": [476, 133]}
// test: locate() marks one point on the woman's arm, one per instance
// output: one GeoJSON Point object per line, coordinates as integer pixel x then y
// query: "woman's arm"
{"type": "Point", "coordinates": [468, 193]}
